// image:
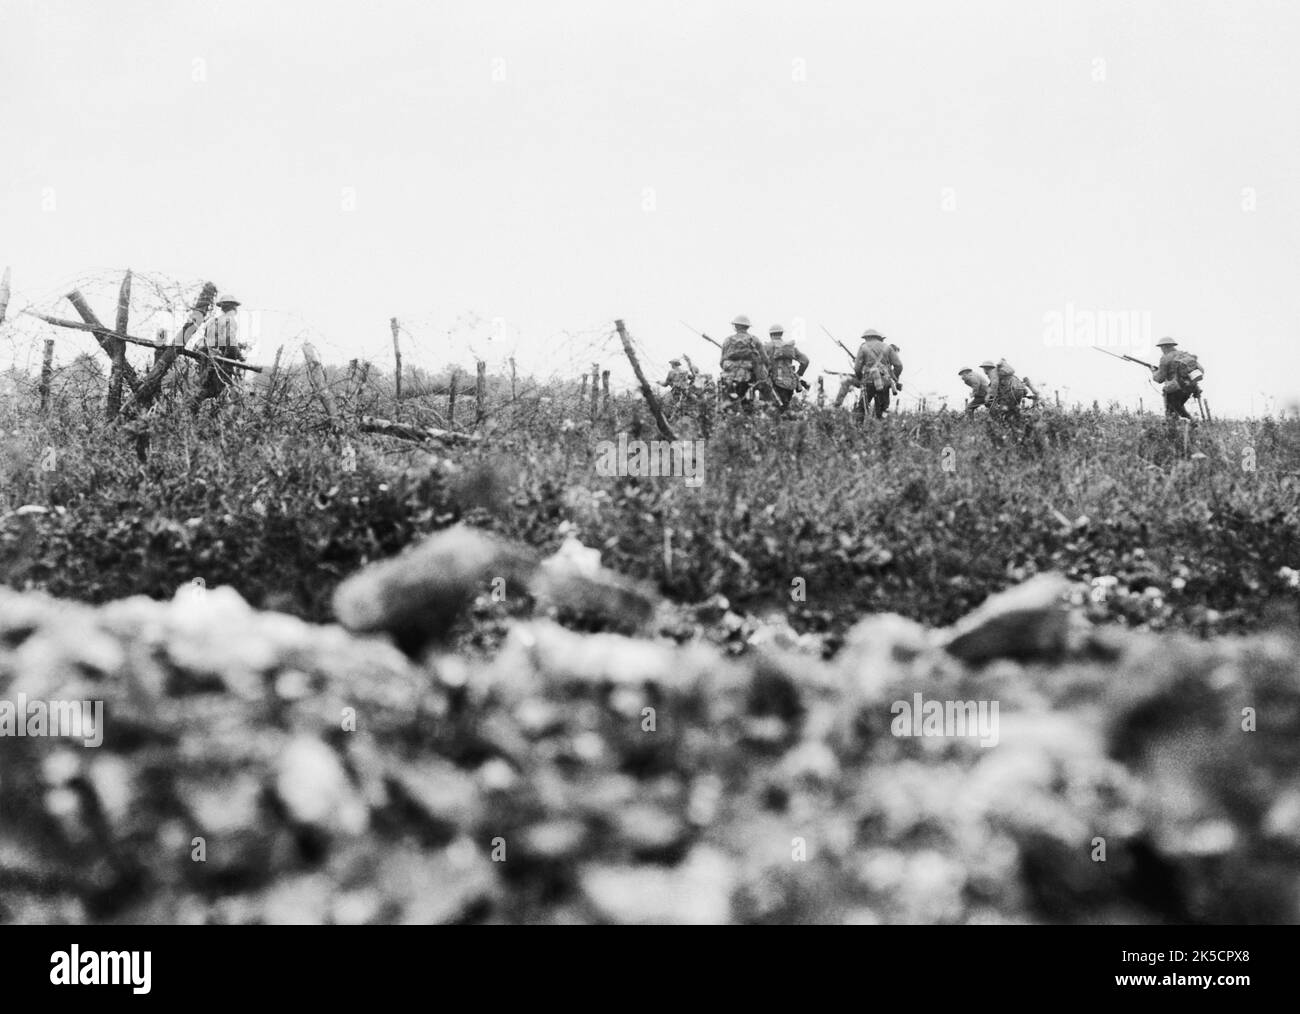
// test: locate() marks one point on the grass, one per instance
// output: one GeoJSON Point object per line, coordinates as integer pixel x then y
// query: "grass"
{"type": "Point", "coordinates": [817, 518]}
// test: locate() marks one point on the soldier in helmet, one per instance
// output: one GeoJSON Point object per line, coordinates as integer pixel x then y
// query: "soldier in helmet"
{"type": "Point", "coordinates": [786, 377]}
{"type": "Point", "coordinates": [876, 368]}
{"type": "Point", "coordinates": [1179, 376]}
{"type": "Point", "coordinates": [743, 363]}
{"type": "Point", "coordinates": [979, 385]}
{"type": "Point", "coordinates": [678, 382]}
{"type": "Point", "coordinates": [1007, 390]}
{"type": "Point", "coordinates": [221, 339]}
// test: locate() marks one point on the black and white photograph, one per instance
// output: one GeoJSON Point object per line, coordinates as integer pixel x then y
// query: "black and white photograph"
{"type": "Point", "coordinates": [559, 463]}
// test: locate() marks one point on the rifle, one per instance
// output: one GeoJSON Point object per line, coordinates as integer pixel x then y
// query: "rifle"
{"type": "Point", "coordinates": [701, 334]}
{"type": "Point", "coordinates": [894, 385]}
{"type": "Point", "coordinates": [839, 343]}
{"type": "Point", "coordinates": [1131, 359]}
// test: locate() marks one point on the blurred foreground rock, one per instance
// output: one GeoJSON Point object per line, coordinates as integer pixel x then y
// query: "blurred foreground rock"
{"type": "Point", "coordinates": [252, 768]}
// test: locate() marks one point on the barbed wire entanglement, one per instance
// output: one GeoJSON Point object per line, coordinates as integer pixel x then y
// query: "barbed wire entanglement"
{"type": "Point", "coordinates": [471, 373]}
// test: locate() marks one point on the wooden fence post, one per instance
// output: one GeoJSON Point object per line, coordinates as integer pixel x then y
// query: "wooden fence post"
{"type": "Point", "coordinates": [646, 390]}
{"type": "Point", "coordinates": [319, 382]}
{"type": "Point", "coordinates": [118, 354]}
{"type": "Point", "coordinates": [595, 389]}
{"type": "Point", "coordinates": [451, 398]}
{"type": "Point", "coordinates": [107, 344]}
{"type": "Point", "coordinates": [4, 295]}
{"type": "Point", "coordinates": [397, 357]}
{"type": "Point", "coordinates": [604, 389]}
{"type": "Point", "coordinates": [480, 394]}
{"type": "Point", "coordinates": [47, 373]}
{"type": "Point", "coordinates": [514, 394]}
{"type": "Point", "coordinates": [147, 389]}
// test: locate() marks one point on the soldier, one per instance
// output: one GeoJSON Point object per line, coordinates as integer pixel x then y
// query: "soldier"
{"type": "Point", "coordinates": [876, 368]}
{"type": "Point", "coordinates": [221, 338]}
{"type": "Point", "coordinates": [679, 382]}
{"type": "Point", "coordinates": [846, 385]}
{"type": "Point", "coordinates": [1179, 376]}
{"type": "Point", "coordinates": [1006, 390]}
{"type": "Point", "coordinates": [786, 377]}
{"type": "Point", "coordinates": [742, 363]}
{"type": "Point", "coordinates": [979, 385]}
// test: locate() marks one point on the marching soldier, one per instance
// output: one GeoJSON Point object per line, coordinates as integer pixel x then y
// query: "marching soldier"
{"type": "Point", "coordinates": [979, 385]}
{"type": "Point", "coordinates": [742, 362]}
{"type": "Point", "coordinates": [786, 377]}
{"type": "Point", "coordinates": [221, 338]}
{"type": "Point", "coordinates": [1179, 376]}
{"type": "Point", "coordinates": [876, 368]}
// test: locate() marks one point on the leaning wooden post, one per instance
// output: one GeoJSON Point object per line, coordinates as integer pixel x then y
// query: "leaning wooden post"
{"type": "Point", "coordinates": [4, 295]}
{"type": "Point", "coordinates": [149, 387]}
{"type": "Point", "coordinates": [451, 398]}
{"type": "Point", "coordinates": [480, 393]}
{"type": "Point", "coordinates": [595, 390]}
{"type": "Point", "coordinates": [114, 403]}
{"type": "Point", "coordinates": [582, 391]}
{"type": "Point", "coordinates": [397, 357]}
{"type": "Point", "coordinates": [646, 390]}
{"type": "Point", "coordinates": [107, 344]}
{"type": "Point", "coordinates": [47, 373]}
{"type": "Point", "coordinates": [604, 388]}
{"type": "Point", "coordinates": [319, 383]}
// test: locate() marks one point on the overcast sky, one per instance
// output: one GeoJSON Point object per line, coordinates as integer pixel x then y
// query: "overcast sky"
{"type": "Point", "coordinates": [950, 173]}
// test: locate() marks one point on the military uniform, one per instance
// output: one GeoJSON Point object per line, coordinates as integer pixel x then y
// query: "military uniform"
{"type": "Point", "coordinates": [876, 367]}
{"type": "Point", "coordinates": [743, 362]}
{"type": "Point", "coordinates": [786, 377]}
{"type": "Point", "coordinates": [979, 385]}
{"type": "Point", "coordinates": [1176, 377]}
{"type": "Point", "coordinates": [1006, 390]}
{"type": "Point", "coordinates": [221, 338]}
{"type": "Point", "coordinates": [678, 383]}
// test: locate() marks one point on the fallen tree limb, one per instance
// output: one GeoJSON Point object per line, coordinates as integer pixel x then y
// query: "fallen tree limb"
{"type": "Point", "coordinates": [408, 431]}
{"type": "Point", "coordinates": [106, 334]}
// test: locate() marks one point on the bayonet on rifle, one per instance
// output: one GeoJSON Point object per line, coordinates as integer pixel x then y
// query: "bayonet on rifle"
{"type": "Point", "coordinates": [1131, 359]}
{"type": "Point", "coordinates": [701, 334]}
{"type": "Point", "coordinates": [839, 343]}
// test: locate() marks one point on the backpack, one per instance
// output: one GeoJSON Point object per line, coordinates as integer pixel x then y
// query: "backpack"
{"type": "Point", "coordinates": [1011, 389]}
{"type": "Point", "coordinates": [738, 368]}
{"type": "Point", "coordinates": [784, 373]}
{"type": "Point", "coordinates": [1187, 371]}
{"type": "Point", "coordinates": [877, 374]}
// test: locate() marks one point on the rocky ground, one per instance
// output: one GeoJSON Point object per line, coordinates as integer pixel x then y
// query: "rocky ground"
{"type": "Point", "coordinates": [600, 756]}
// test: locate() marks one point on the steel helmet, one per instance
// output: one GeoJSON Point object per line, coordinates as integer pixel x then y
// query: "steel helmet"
{"type": "Point", "coordinates": [1165, 341]}
{"type": "Point", "coordinates": [776, 329]}
{"type": "Point", "coordinates": [740, 320]}
{"type": "Point", "coordinates": [674, 362]}
{"type": "Point", "coordinates": [871, 332]}
{"type": "Point", "coordinates": [963, 371]}
{"type": "Point", "coordinates": [225, 298]}
{"type": "Point", "coordinates": [988, 364]}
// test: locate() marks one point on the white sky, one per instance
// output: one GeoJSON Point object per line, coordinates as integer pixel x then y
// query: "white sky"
{"type": "Point", "coordinates": [679, 160]}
